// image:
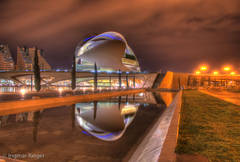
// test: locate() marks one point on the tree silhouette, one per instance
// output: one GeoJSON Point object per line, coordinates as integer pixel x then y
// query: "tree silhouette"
{"type": "Point", "coordinates": [36, 70]}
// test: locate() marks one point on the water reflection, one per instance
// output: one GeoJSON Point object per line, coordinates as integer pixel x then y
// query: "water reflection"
{"type": "Point", "coordinates": [105, 120]}
{"type": "Point", "coordinates": [15, 89]}
{"type": "Point", "coordinates": [49, 131]}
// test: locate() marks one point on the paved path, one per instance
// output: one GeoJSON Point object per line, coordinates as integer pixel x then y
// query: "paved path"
{"type": "Point", "coordinates": [224, 95]}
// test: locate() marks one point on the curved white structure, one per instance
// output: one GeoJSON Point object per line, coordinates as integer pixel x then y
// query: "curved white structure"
{"type": "Point", "coordinates": [110, 120]}
{"type": "Point", "coordinates": [109, 51]}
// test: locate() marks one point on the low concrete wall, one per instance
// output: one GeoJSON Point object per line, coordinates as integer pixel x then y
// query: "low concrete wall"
{"type": "Point", "coordinates": [168, 151]}
{"type": "Point", "coordinates": [13, 107]}
{"type": "Point", "coordinates": [161, 140]}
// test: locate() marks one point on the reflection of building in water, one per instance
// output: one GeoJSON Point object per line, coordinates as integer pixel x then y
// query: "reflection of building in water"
{"type": "Point", "coordinates": [109, 50]}
{"type": "Point", "coordinates": [167, 97]}
{"type": "Point", "coordinates": [25, 57]}
{"type": "Point", "coordinates": [3, 120]}
{"type": "Point", "coordinates": [106, 120]}
{"type": "Point", "coordinates": [21, 117]}
{"type": "Point", "coordinates": [6, 60]}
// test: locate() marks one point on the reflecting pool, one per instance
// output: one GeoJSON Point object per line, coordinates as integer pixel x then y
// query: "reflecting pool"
{"type": "Point", "coordinates": [106, 130]}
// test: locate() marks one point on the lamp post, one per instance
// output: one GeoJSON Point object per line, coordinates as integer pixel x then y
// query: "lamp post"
{"type": "Point", "coordinates": [127, 81]}
{"type": "Point", "coordinates": [203, 68]}
{"type": "Point", "coordinates": [23, 92]}
{"type": "Point", "coordinates": [197, 72]}
{"type": "Point", "coordinates": [215, 73]}
{"type": "Point", "coordinates": [226, 70]}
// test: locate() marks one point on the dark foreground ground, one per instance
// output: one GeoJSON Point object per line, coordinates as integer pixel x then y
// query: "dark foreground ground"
{"type": "Point", "coordinates": [209, 127]}
{"type": "Point", "coordinates": [58, 141]}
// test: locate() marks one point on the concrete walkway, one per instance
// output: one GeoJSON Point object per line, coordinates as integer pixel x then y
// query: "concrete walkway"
{"type": "Point", "coordinates": [13, 107]}
{"type": "Point", "coordinates": [224, 95]}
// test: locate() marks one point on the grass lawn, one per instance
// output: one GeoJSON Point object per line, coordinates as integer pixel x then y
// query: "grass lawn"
{"type": "Point", "coordinates": [209, 127]}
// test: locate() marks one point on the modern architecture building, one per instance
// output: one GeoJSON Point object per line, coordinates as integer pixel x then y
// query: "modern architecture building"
{"type": "Point", "coordinates": [110, 51]}
{"type": "Point", "coordinates": [25, 59]}
{"type": "Point", "coordinates": [6, 60]}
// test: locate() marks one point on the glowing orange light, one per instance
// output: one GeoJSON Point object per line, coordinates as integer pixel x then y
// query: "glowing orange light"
{"type": "Point", "coordinates": [226, 68]}
{"type": "Point", "coordinates": [215, 73]}
{"type": "Point", "coordinates": [197, 72]}
{"type": "Point", "coordinates": [233, 73]}
{"type": "Point", "coordinates": [60, 90]}
{"type": "Point", "coordinates": [203, 68]}
{"type": "Point", "coordinates": [23, 91]}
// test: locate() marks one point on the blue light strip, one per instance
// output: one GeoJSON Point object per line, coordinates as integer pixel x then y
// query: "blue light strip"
{"type": "Point", "coordinates": [109, 36]}
{"type": "Point", "coordinates": [86, 133]}
{"type": "Point", "coordinates": [86, 39]}
{"type": "Point", "coordinates": [105, 136]}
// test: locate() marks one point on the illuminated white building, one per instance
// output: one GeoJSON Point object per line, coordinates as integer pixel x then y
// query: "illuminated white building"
{"type": "Point", "coordinates": [110, 51]}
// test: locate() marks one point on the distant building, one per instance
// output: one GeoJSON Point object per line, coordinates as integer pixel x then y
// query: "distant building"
{"type": "Point", "coordinates": [6, 60]}
{"type": "Point", "coordinates": [25, 59]}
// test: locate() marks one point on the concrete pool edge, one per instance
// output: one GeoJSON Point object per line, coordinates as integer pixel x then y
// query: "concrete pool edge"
{"type": "Point", "coordinates": [160, 142]}
{"type": "Point", "coordinates": [20, 106]}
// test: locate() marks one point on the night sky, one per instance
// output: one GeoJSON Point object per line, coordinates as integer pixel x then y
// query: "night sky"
{"type": "Point", "coordinates": [176, 35]}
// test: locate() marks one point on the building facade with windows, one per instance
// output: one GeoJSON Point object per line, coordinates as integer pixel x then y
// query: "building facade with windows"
{"type": "Point", "coordinates": [110, 51]}
{"type": "Point", "coordinates": [25, 59]}
{"type": "Point", "coordinates": [6, 60]}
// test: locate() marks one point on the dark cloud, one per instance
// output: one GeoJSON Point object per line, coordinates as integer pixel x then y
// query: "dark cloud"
{"type": "Point", "coordinates": [173, 34]}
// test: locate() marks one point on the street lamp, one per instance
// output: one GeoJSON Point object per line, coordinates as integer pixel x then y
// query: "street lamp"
{"type": "Point", "coordinates": [197, 72]}
{"type": "Point", "coordinates": [23, 91]}
{"type": "Point", "coordinates": [215, 73]}
{"type": "Point", "coordinates": [232, 73]}
{"type": "Point", "coordinates": [226, 68]}
{"type": "Point", "coordinates": [203, 68]}
{"type": "Point", "coordinates": [60, 90]}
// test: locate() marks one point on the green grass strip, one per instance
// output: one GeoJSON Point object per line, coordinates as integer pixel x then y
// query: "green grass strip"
{"type": "Point", "coordinates": [209, 127]}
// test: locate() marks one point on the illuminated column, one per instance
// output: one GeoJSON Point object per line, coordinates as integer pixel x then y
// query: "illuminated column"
{"type": "Point", "coordinates": [31, 82]}
{"type": "Point", "coordinates": [134, 81]}
{"type": "Point", "coordinates": [127, 81]}
{"type": "Point", "coordinates": [110, 81]}
{"type": "Point", "coordinates": [95, 77]}
{"type": "Point", "coordinates": [119, 102]}
{"type": "Point", "coordinates": [119, 79]}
